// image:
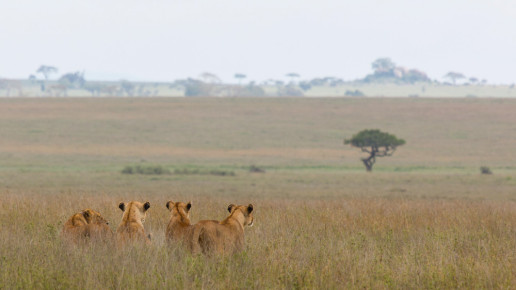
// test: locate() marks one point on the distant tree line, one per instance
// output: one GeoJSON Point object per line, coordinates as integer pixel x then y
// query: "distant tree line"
{"type": "Point", "coordinates": [209, 84]}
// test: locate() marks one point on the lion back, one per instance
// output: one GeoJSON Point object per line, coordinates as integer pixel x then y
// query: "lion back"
{"type": "Point", "coordinates": [211, 236]}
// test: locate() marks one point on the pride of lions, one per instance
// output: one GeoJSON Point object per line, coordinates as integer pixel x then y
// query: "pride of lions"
{"type": "Point", "coordinates": [206, 236]}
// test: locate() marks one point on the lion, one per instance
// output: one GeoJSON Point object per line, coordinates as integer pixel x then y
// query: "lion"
{"type": "Point", "coordinates": [131, 227]}
{"type": "Point", "coordinates": [223, 237]}
{"type": "Point", "coordinates": [179, 225]}
{"type": "Point", "coordinates": [179, 228]}
{"type": "Point", "coordinates": [87, 224]}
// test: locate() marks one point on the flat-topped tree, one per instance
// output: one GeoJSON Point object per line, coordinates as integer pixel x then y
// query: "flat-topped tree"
{"type": "Point", "coordinates": [454, 76]}
{"type": "Point", "coordinates": [376, 143]}
{"type": "Point", "coordinates": [240, 77]}
{"type": "Point", "coordinates": [46, 70]}
{"type": "Point", "coordinates": [292, 76]}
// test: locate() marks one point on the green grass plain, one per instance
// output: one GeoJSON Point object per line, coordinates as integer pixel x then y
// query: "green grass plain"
{"type": "Point", "coordinates": [424, 218]}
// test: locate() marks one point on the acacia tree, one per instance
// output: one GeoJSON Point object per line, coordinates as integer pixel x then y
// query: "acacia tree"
{"type": "Point", "coordinates": [376, 143]}
{"type": "Point", "coordinates": [46, 70]}
{"type": "Point", "coordinates": [473, 80]}
{"type": "Point", "coordinates": [240, 77]}
{"type": "Point", "coordinates": [454, 76]}
{"type": "Point", "coordinates": [292, 76]}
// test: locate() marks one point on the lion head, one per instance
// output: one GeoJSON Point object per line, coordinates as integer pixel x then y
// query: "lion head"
{"type": "Point", "coordinates": [134, 211]}
{"type": "Point", "coordinates": [179, 208]}
{"type": "Point", "coordinates": [94, 217]}
{"type": "Point", "coordinates": [246, 210]}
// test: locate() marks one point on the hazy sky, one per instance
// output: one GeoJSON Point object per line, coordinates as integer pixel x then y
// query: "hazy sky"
{"type": "Point", "coordinates": [164, 40]}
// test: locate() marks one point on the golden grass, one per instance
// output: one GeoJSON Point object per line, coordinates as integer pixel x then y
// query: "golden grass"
{"type": "Point", "coordinates": [425, 218]}
{"type": "Point", "coordinates": [351, 243]}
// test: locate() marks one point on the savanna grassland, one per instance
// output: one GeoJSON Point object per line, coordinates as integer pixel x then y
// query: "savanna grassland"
{"type": "Point", "coordinates": [424, 218]}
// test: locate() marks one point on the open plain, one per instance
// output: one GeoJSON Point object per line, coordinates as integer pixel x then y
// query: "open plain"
{"type": "Point", "coordinates": [424, 218]}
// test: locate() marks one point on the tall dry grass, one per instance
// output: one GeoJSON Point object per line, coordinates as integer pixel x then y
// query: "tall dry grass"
{"type": "Point", "coordinates": [351, 243]}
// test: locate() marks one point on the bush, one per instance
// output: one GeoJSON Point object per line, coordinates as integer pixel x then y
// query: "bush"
{"type": "Point", "coordinates": [186, 171]}
{"type": "Point", "coordinates": [485, 170]}
{"type": "Point", "coordinates": [222, 173]}
{"type": "Point", "coordinates": [256, 169]}
{"type": "Point", "coordinates": [128, 170]}
{"type": "Point", "coordinates": [355, 93]}
{"type": "Point", "coordinates": [148, 170]}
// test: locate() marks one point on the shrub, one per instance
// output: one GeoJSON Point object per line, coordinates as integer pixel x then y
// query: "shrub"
{"type": "Point", "coordinates": [256, 169]}
{"type": "Point", "coordinates": [485, 170]}
{"type": "Point", "coordinates": [186, 171]}
{"type": "Point", "coordinates": [148, 170]}
{"type": "Point", "coordinates": [222, 172]}
{"type": "Point", "coordinates": [355, 93]}
{"type": "Point", "coordinates": [128, 170]}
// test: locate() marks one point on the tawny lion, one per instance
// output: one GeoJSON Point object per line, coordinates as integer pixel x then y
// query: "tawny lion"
{"type": "Point", "coordinates": [179, 226]}
{"type": "Point", "coordinates": [226, 236]}
{"type": "Point", "coordinates": [87, 224]}
{"type": "Point", "coordinates": [131, 227]}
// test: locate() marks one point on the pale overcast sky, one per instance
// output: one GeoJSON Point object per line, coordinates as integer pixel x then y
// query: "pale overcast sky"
{"type": "Point", "coordinates": [163, 40]}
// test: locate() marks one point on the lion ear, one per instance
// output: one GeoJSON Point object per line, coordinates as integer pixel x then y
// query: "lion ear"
{"type": "Point", "coordinates": [249, 208]}
{"type": "Point", "coordinates": [188, 206]}
{"type": "Point", "coordinates": [86, 214]}
{"type": "Point", "coordinates": [122, 206]}
{"type": "Point", "coordinates": [170, 204]}
{"type": "Point", "coordinates": [230, 207]}
{"type": "Point", "coordinates": [146, 206]}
